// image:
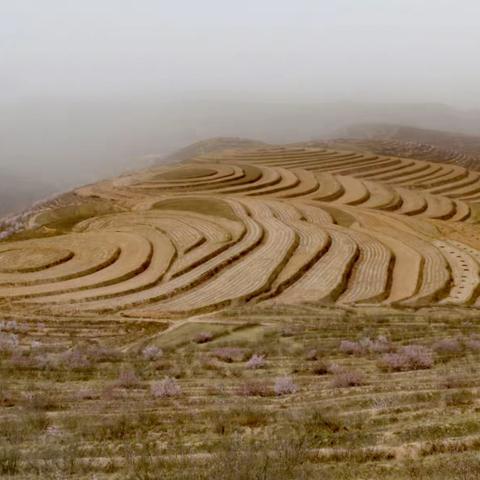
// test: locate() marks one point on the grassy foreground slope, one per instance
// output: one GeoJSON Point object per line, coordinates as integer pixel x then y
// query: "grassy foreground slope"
{"type": "Point", "coordinates": [254, 312]}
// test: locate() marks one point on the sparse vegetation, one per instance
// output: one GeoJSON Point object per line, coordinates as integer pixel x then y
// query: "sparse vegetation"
{"type": "Point", "coordinates": [255, 362]}
{"type": "Point", "coordinates": [410, 357]}
{"type": "Point", "coordinates": [284, 386]}
{"type": "Point", "coordinates": [168, 387]}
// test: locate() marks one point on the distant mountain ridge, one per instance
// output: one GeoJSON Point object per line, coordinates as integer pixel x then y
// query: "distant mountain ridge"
{"type": "Point", "coordinates": [408, 141]}
{"type": "Point", "coordinates": [18, 192]}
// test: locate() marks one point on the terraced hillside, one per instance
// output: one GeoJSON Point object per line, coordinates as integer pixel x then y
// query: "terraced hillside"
{"type": "Point", "coordinates": [272, 225]}
{"type": "Point", "coordinates": [264, 312]}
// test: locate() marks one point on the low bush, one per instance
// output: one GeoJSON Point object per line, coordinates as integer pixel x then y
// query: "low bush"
{"type": "Point", "coordinates": [321, 368]}
{"type": "Point", "coordinates": [242, 415]}
{"type": "Point", "coordinates": [448, 346]}
{"type": "Point", "coordinates": [365, 345]}
{"type": "Point", "coordinates": [347, 378]}
{"type": "Point", "coordinates": [454, 380]}
{"type": "Point", "coordinates": [166, 388]}
{"type": "Point", "coordinates": [9, 343]}
{"type": "Point", "coordinates": [410, 357]}
{"type": "Point", "coordinates": [75, 359]}
{"type": "Point", "coordinates": [350, 348]}
{"type": "Point", "coordinates": [101, 353]}
{"type": "Point", "coordinates": [255, 362]}
{"type": "Point", "coordinates": [254, 389]}
{"type": "Point", "coordinates": [152, 353]}
{"type": "Point", "coordinates": [203, 337]}
{"type": "Point", "coordinates": [284, 386]}
{"type": "Point", "coordinates": [230, 354]}
{"type": "Point", "coordinates": [473, 343]}
{"type": "Point", "coordinates": [128, 378]}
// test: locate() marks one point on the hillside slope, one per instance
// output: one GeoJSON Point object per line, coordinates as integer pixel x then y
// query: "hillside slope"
{"type": "Point", "coordinates": [267, 225]}
{"type": "Point", "coordinates": [413, 142]}
{"type": "Point", "coordinates": [300, 309]}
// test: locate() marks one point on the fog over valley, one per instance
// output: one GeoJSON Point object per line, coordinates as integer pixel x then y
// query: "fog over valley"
{"type": "Point", "coordinates": [89, 89]}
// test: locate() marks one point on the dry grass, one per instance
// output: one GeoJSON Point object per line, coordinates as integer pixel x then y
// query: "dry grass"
{"type": "Point", "coordinates": [128, 414]}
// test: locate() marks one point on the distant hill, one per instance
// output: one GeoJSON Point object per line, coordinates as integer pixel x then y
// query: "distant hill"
{"type": "Point", "coordinates": [412, 142]}
{"type": "Point", "coordinates": [210, 146]}
{"type": "Point", "coordinates": [18, 192]}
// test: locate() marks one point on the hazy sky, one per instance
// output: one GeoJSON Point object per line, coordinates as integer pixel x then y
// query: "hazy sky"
{"type": "Point", "coordinates": [287, 50]}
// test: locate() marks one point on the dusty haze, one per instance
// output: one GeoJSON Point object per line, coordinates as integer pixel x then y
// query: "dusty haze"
{"type": "Point", "coordinates": [90, 88]}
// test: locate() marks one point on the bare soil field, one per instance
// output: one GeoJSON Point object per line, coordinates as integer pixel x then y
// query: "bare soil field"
{"type": "Point", "coordinates": [250, 312]}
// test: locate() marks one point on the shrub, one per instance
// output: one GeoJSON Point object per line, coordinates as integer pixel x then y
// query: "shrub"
{"type": "Point", "coordinates": [128, 378]}
{"type": "Point", "coordinates": [350, 348]}
{"type": "Point", "coordinates": [243, 414]}
{"type": "Point", "coordinates": [229, 354]}
{"type": "Point", "coordinates": [86, 394]}
{"type": "Point", "coordinates": [395, 362]}
{"type": "Point", "coordinates": [366, 345]}
{"type": "Point", "coordinates": [321, 368]}
{"type": "Point", "coordinates": [75, 360]}
{"type": "Point", "coordinates": [152, 352]}
{"type": "Point", "coordinates": [21, 361]}
{"type": "Point", "coordinates": [255, 362]}
{"type": "Point", "coordinates": [419, 357]}
{"type": "Point", "coordinates": [99, 353]}
{"type": "Point", "coordinates": [319, 419]}
{"type": "Point", "coordinates": [39, 361]}
{"type": "Point", "coordinates": [284, 386]}
{"type": "Point", "coordinates": [45, 362]}
{"type": "Point", "coordinates": [381, 345]}
{"type": "Point", "coordinates": [6, 325]}
{"type": "Point", "coordinates": [473, 343]}
{"type": "Point", "coordinates": [168, 387]}
{"type": "Point", "coordinates": [8, 343]}
{"type": "Point", "coordinates": [335, 368]}
{"type": "Point", "coordinates": [209, 363]}
{"type": "Point", "coordinates": [382, 403]}
{"type": "Point", "coordinates": [203, 337]}
{"type": "Point", "coordinates": [448, 346]}
{"type": "Point", "coordinates": [291, 330]}
{"type": "Point", "coordinates": [347, 378]}
{"type": "Point", "coordinates": [410, 357]}
{"type": "Point", "coordinates": [254, 389]}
